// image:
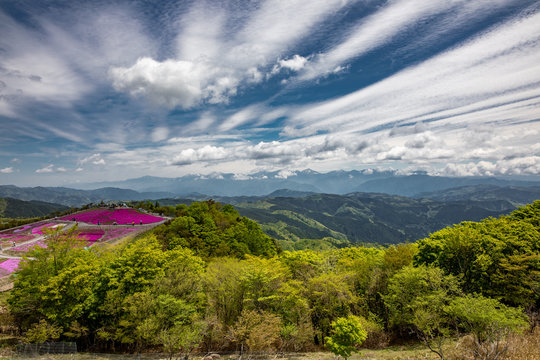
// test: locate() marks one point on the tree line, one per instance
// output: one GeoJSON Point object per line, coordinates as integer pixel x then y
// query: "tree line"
{"type": "Point", "coordinates": [211, 280]}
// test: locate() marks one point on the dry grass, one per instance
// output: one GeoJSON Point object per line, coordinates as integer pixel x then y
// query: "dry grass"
{"type": "Point", "coordinates": [524, 347]}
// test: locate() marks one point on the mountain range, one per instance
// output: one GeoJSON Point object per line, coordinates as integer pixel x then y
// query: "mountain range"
{"type": "Point", "coordinates": [335, 182]}
{"type": "Point", "coordinates": [346, 207]}
{"type": "Point", "coordinates": [295, 218]}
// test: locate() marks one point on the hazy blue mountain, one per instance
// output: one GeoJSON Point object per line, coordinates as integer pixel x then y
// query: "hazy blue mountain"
{"type": "Point", "coordinates": [335, 182]}
{"type": "Point", "coordinates": [216, 185]}
{"type": "Point", "coordinates": [413, 185]}
{"type": "Point", "coordinates": [516, 195]}
{"type": "Point", "coordinates": [14, 208]}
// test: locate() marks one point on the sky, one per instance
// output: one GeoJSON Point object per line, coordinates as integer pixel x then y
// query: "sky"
{"type": "Point", "coordinates": [110, 90]}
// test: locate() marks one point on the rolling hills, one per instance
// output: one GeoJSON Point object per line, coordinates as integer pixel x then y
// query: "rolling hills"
{"type": "Point", "coordinates": [363, 217]}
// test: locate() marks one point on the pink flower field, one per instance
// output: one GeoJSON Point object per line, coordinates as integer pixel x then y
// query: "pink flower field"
{"type": "Point", "coordinates": [28, 247]}
{"type": "Point", "coordinates": [91, 235]}
{"type": "Point", "coordinates": [10, 265]}
{"type": "Point", "coordinates": [16, 238]}
{"type": "Point", "coordinates": [109, 217]}
{"type": "Point", "coordinates": [40, 229]}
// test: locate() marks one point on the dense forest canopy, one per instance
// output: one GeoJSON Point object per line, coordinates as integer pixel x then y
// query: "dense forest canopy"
{"type": "Point", "coordinates": [211, 279]}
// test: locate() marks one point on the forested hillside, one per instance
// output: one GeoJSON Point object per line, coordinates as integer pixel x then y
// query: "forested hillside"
{"type": "Point", "coordinates": [210, 281]}
{"type": "Point", "coordinates": [364, 218]}
{"type": "Point", "coordinates": [13, 208]}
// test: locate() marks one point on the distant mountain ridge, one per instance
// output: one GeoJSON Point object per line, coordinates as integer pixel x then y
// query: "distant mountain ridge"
{"type": "Point", "coordinates": [516, 195]}
{"type": "Point", "coordinates": [335, 182]}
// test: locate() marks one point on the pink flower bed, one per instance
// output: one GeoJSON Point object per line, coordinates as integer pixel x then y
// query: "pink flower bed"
{"type": "Point", "coordinates": [17, 238]}
{"type": "Point", "coordinates": [92, 235]}
{"type": "Point", "coordinates": [30, 246]}
{"type": "Point", "coordinates": [116, 233]}
{"type": "Point", "coordinates": [10, 265]}
{"type": "Point", "coordinates": [108, 217]}
{"type": "Point", "coordinates": [26, 227]}
{"type": "Point", "coordinates": [40, 229]}
{"type": "Point", "coordinates": [27, 247]}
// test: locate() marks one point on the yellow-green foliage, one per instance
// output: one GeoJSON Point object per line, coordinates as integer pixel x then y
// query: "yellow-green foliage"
{"type": "Point", "coordinates": [170, 290]}
{"type": "Point", "coordinates": [499, 258]}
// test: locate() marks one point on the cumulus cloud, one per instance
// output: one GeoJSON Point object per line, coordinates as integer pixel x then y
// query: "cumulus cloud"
{"type": "Point", "coordinates": [296, 63]}
{"type": "Point", "coordinates": [175, 83]}
{"type": "Point", "coordinates": [7, 170]}
{"type": "Point", "coordinates": [206, 153]}
{"type": "Point", "coordinates": [283, 174]}
{"type": "Point", "coordinates": [211, 64]}
{"type": "Point", "coordinates": [529, 165]}
{"type": "Point", "coordinates": [95, 159]}
{"type": "Point", "coordinates": [46, 169]}
{"type": "Point", "coordinates": [274, 151]}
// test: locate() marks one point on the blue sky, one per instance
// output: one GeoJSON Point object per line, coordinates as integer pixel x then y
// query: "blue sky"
{"type": "Point", "coordinates": [109, 90]}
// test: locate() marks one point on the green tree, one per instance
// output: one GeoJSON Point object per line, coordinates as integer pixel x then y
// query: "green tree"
{"type": "Point", "coordinates": [55, 283]}
{"type": "Point", "coordinates": [330, 296]}
{"type": "Point", "coordinates": [347, 334]}
{"type": "Point", "coordinates": [489, 322]}
{"type": "Point", "coordinates": [416, 300]}
{"type": "Point", "coordinates": [42, 331]}
{"type": "Point", "coordinates": [499, 258]}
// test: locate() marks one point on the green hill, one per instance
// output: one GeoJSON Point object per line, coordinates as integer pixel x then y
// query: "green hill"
{"type": "Point", "coordinates": [13, 208]}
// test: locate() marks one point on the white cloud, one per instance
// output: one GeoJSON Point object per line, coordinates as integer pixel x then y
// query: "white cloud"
{"type": "Point", "coordinates": [16, 160]}
{"type": "Point", "coordinates": [393, 20]}
{"type": "Point", "coordinates": [206, 153]}
{"type": "Point", "coordinates": [283, 174]}
{"type": "Point", "coordinates": [7, 170]}
{"type": "Point", "coordinates": [61, 169]}
{"type": "Point", "coordinates": [492, 76]}
{"type": "Point", "coordinates": [296, 63]}
{"type": "Point", "coordinates": [211, 65]}
{"type": "Point", "coordinates": [95, 159]}
{"type": "Point", "coordinates": [46, 169]}
{"type": "Point", "coordinates": [529, 165]}
{"type": "Point", "coordinates": [160, 133]}
{"type": "Point", "coordinates": [174, 83]}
